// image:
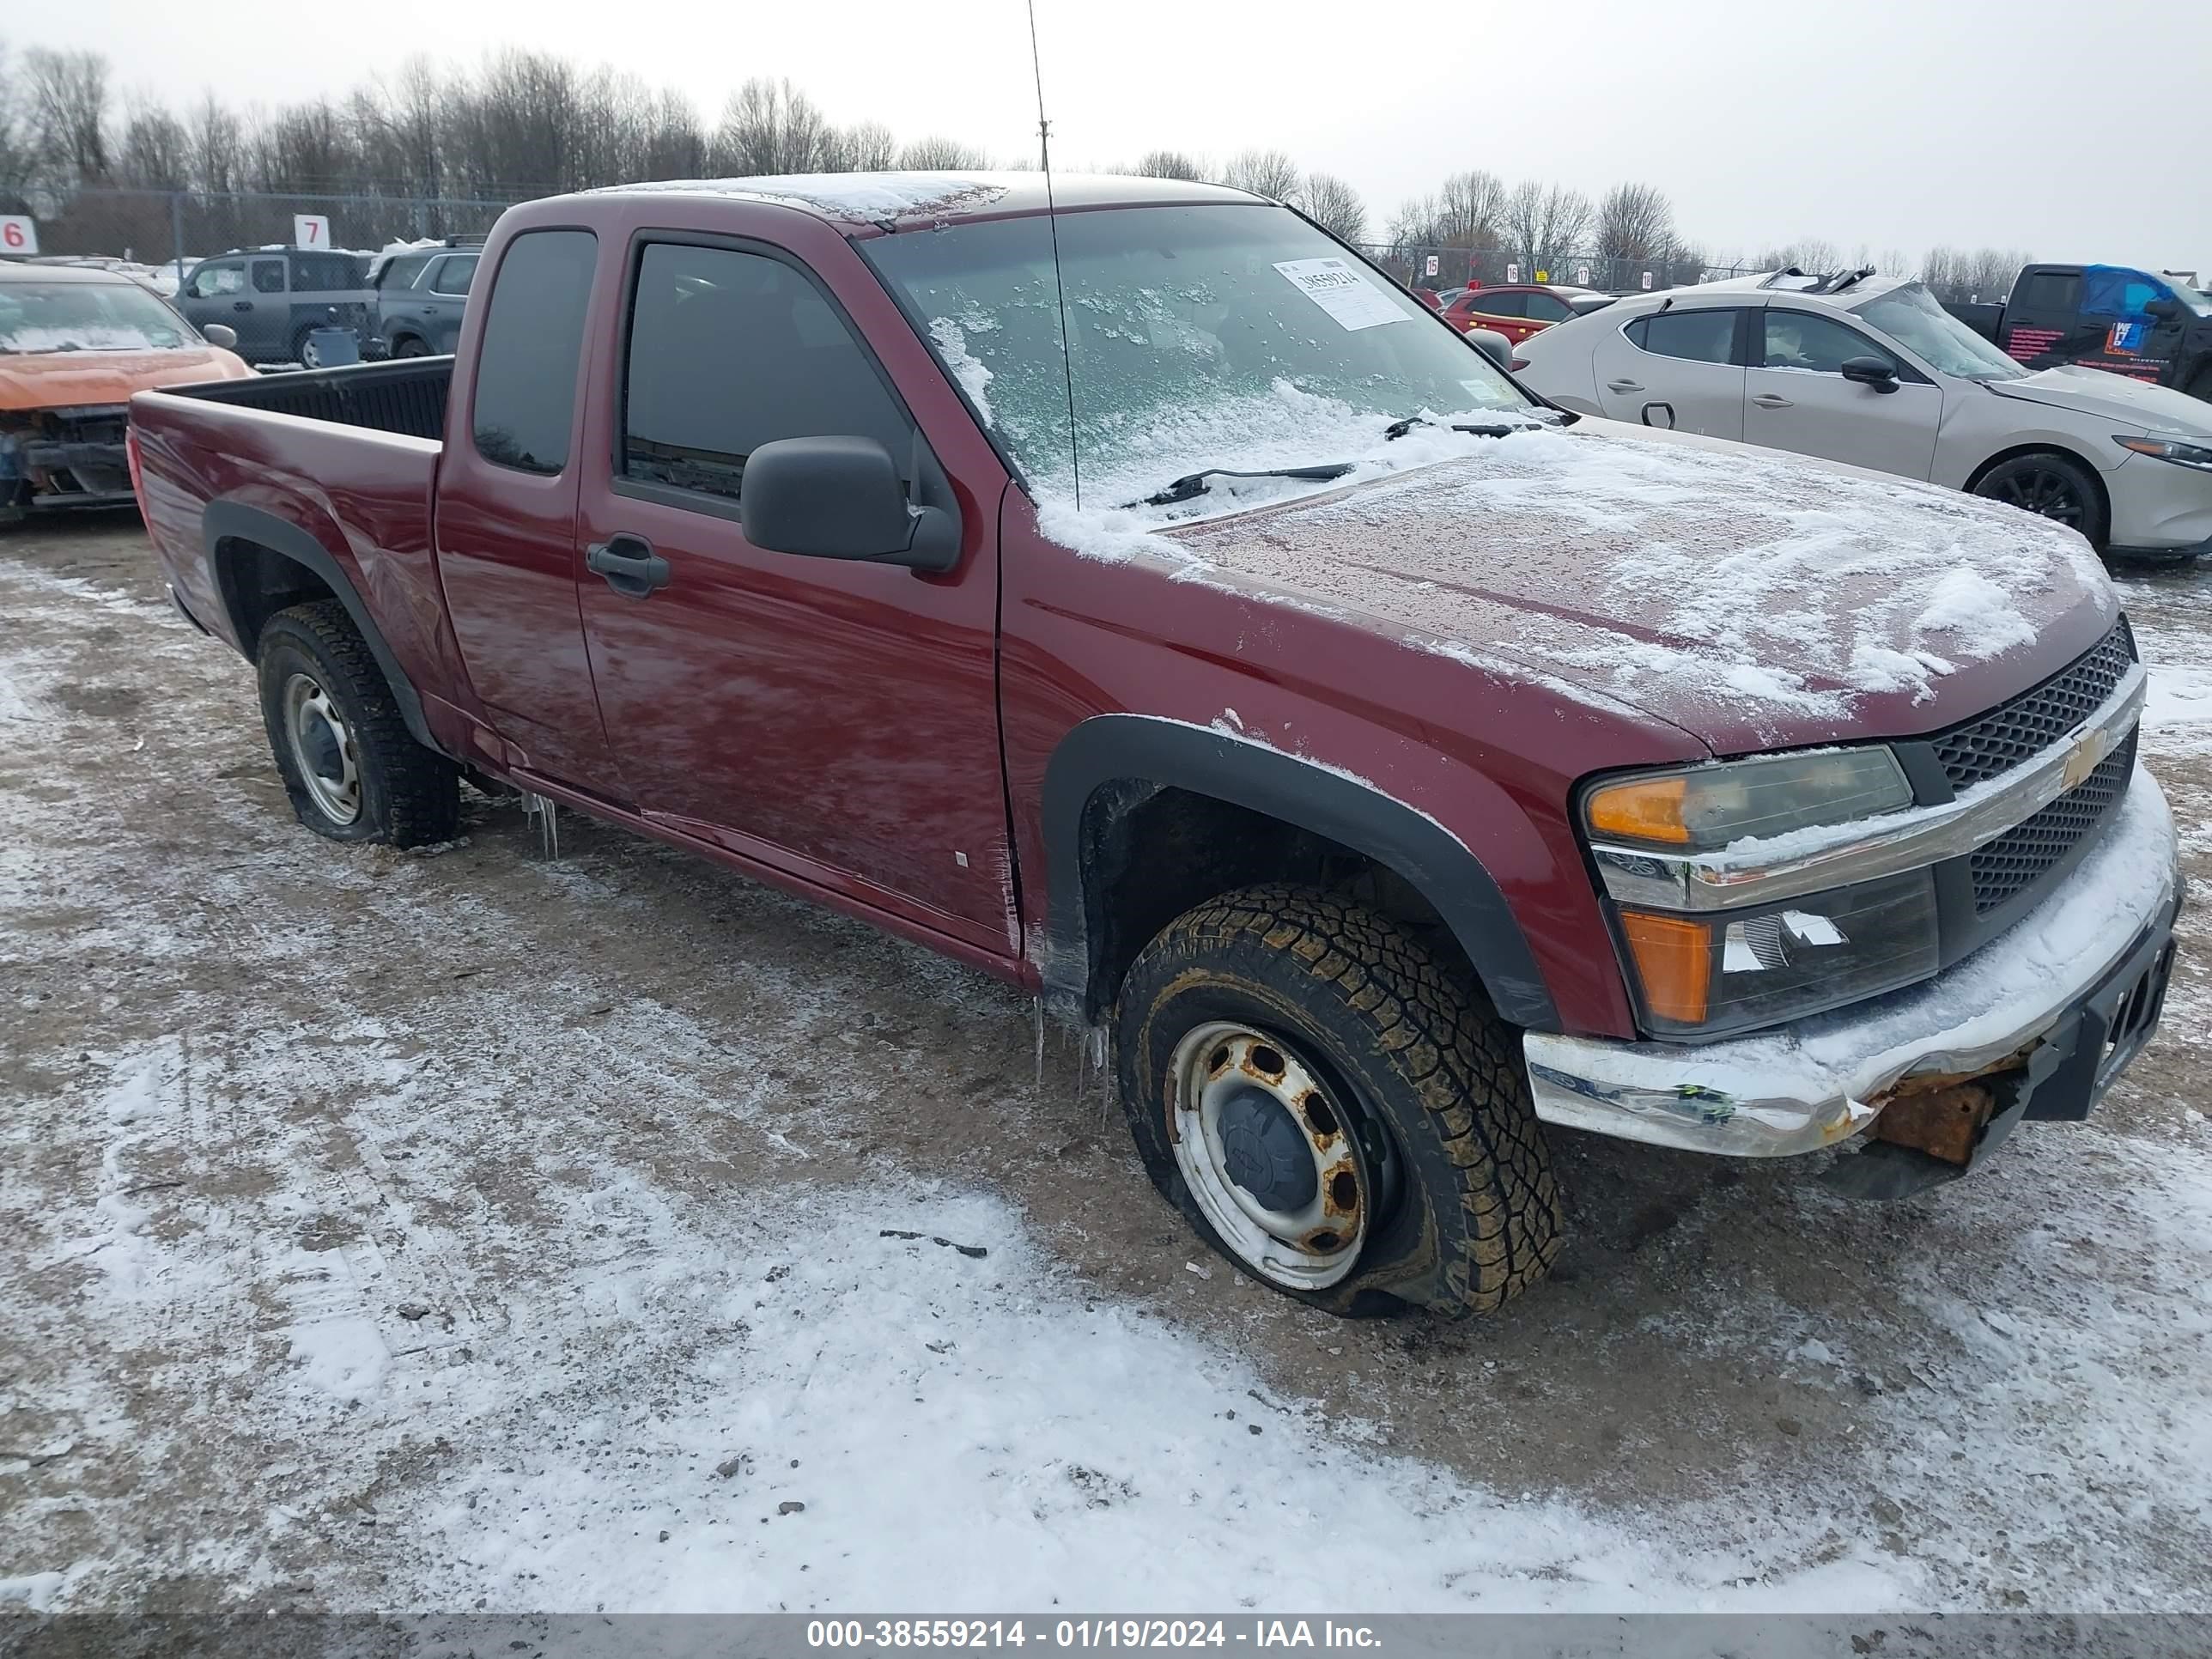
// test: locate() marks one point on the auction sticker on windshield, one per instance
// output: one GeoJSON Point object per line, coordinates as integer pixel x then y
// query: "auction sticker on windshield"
{"type": "Point", "coordinates": [1338, 288]}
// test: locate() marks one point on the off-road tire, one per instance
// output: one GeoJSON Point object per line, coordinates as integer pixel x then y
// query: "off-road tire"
{"type": "Point", "coordinates": [2201, 385]}
{"type": "Point", "coordinates": [2095, 523]}
{"type": "Point", "coordinates": [1476, 1219]}
{"type": "Point", "coordinates": [409, 795]}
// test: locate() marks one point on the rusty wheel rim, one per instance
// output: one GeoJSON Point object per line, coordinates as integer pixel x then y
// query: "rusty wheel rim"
{"type": "Point", "coordinates": [323, 748]}
{"type": "Point", "coordinates": [1271, 1154]}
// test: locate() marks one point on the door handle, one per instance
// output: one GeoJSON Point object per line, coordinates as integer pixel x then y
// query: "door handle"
{"type": "Point", "coordinates": [1624, 385]}
{"type": "Point", "coordinates": [242, 305]}
{"type": "Point", "coordinates": [1770, 400]}
{"type": "Point", "coordinates": [634, 576]}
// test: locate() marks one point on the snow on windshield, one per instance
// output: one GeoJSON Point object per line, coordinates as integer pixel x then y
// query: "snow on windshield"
{"type": "Point", "coordinates": [41, 316]}
{"type": "Point", "coordinates": [1910, 315]}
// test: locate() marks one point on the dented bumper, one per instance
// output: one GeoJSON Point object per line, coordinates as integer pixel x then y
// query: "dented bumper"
{"type": "Point", "coordinates": [64, 458]}
{"type": "Point", "coordinates": [2040, 1020]}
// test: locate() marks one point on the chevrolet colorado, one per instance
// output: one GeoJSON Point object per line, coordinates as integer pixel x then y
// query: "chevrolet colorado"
{"type": "Point", "coordinates": [1128, 590]}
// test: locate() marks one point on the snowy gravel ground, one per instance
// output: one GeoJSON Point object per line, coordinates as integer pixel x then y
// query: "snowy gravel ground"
{"type": "Point", "coordinates": [462, 1231]}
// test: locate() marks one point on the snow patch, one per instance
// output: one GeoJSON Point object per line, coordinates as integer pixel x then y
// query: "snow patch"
{"type": "Point", "coordinates": [951, 337]}
{"type": "Point", "coordinates": [863, 197]}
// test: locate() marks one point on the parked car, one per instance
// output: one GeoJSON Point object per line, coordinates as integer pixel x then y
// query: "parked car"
{"type": "Point", "coordinates": [275, 298]}
{"type": "Point", "coordinates": [1517, 310]}
{"type": "Point", "coordinates": [1872, 371]}
{"type": "Point", "coordinates": [421, 295]}
{"type": "Point", "coordinates": [2110, 317]}
{"type": "Point", "coordinates": [1406, 767]}
{"type": "Point", "coordinates": [75, 343]}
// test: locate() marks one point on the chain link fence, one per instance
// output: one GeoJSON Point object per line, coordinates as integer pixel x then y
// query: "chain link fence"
{"type": "Point", "coordinates": [166, 231]}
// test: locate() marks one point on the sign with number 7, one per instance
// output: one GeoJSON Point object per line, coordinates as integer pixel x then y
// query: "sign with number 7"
{"type": "Point", "coordinates": [17, 234]}
{"type": "Point", "coordinates": [310, 230]}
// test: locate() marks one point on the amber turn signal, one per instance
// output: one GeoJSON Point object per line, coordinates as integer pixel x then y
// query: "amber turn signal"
{"type": "Point", "coordinates": [1674, 961]}
{"type": "Point", "coordinates": [1648, 809]}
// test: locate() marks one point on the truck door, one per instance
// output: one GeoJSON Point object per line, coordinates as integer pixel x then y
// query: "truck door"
{"type": "Point", "coordinates": [2118, 332]}
{"type": "Point", "coordinates": [2042, 321]}
{"type": "Point", "coordinates": [1796, 398]}
{"type": "Point", "coordinates": [835, 720]}
{"type": "Point", "coordinates": [506, 517]}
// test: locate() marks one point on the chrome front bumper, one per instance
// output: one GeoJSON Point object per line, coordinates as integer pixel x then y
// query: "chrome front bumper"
{"type": "Point", "coordinates": [1809, 1084]}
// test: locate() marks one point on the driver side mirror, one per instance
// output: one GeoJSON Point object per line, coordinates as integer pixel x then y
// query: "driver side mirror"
{"type": "Point", "coordinates": [1492, 344]}
{"type": "Point", "coordinates": [2165, 310]}
{"type": "Point", "coordinates": [219, 334]}
{"type": "Point", "coordinates": [1876, 372]}
{"type": "Point", "coordinates": [841, 498]}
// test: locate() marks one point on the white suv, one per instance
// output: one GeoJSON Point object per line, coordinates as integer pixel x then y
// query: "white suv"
{"type": "Point", "coordinates": [1872, 371]}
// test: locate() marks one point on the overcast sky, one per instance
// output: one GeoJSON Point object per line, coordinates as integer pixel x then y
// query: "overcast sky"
{"type": "Point", "coordinates": [2082, 131]}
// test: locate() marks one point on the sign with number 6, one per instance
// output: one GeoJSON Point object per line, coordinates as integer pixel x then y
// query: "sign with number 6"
{"type": "Point", "coordinates": [17, 234]}
{"type": "Point", "coordinates": [310, 230]}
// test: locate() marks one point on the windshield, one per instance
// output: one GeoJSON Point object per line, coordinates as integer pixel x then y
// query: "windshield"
{"type": "Point", "coordinates": [2193, 300]}
{"type": "Point", "coordinates": [1197, 337]}
{"type": "Point", "coordinates": [1910, 316]}
{"type": "Point", "coordinates": [88, 316]}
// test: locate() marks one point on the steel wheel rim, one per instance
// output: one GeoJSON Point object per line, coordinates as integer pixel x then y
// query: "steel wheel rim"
{"type": "Point", "coordinates": [309, 357]}
{"type": "Point", "coordinates": [323, 750]}
{"type": "Point", "coordinates": [1216, 1071]}
{"type": "Point", "coordinates": [2044, 493]}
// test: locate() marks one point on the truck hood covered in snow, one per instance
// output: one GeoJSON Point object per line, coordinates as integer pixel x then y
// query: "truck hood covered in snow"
{"type": "Point", "coordinates": [2111, 397]}
{"type": "Point", "coordinates": [1753, 600]}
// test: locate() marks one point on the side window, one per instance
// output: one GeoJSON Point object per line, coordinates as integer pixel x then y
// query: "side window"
{"type": "Point", "coordinates": [1547, 308]}
{"type": "Point", "coordinates": [452, 275]}
{"type": "Point", "coordinates": [211, 281]}
{"type": "Point", "coordinates": [1697, 337]}
{"type": "Point", "coordinates": [729, 351]}
{"type": "Point", "coordinates": [268, 275]}
{"type": "Point", "coordinates": [323, 273]}
{"type": "Point", "coordinates": [534, 339]}
{"type": "Point", "coordinates": [2050, 290]}
{"type": "Point", "coordinates": [1799, 339]}
{"type": "Point", "coordinates": [1498, 305]}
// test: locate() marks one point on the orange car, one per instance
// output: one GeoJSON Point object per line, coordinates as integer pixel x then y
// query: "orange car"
{"type": "Point", "coordinates": [75, 343]}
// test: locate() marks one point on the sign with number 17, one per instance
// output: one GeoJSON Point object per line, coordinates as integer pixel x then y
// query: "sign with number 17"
{"type": "Point", "coordinates": [310, 230]}
{"type": "Point", "coordinates": [18, 234]}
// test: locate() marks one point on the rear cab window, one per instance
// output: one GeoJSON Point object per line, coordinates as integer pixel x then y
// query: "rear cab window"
{"type": "Point", "coordinates": [533, 340]}
{"type": "Point", "coordinates": [726, 351]}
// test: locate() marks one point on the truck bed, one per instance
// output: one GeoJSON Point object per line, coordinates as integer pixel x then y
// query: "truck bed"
{"type": "Point", "coordinates": [407, 396]}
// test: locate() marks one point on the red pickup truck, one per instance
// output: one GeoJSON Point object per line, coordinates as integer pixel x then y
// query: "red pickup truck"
{"type": "Point", "coordinates": [1144, 599]}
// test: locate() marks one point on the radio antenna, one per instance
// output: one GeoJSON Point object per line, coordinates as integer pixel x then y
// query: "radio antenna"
{"type": "Point", "coordinates": [1058, 288]}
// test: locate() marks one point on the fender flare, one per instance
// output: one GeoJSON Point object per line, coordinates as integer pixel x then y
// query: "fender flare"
{"type": "Point", "coordinates": [1108, 749]}
{"type": "Point", "coordinates": [223, 521]}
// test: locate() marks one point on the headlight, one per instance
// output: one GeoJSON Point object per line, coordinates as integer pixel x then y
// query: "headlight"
{"type": "Point", "coordinates": [1706, 975]}
{"type": "Point", "coordinates": [1704, 808]}
{"type": "Point", "coordinates": [2179, 451]}
{"type": "Point", "coordinates": [1733, 969]}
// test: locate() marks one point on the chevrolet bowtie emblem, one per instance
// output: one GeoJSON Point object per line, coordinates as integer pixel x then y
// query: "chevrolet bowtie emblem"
{"type": "Point", "coordinates": [2081, 759]}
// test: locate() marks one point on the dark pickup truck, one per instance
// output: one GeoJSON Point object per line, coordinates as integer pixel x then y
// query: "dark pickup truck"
{"type": "Point", "coordinates": [2110, 317]}
{"type": "Point", "coordinates": [1145, 601]}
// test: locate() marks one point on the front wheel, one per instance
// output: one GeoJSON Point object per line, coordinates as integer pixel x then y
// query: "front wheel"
{"type": "Point", "coordinates": [1333, 1109]}
{"type": "Point", "coordinates": [353, 770]}
{"type": "Point", "coordinates": [409, 346]}
{"type": "Point", "coordinates": [2050, 486]}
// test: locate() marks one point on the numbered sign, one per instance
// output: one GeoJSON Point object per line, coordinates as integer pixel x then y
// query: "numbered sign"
{"type": "Point", "coordinates": [1582, 276]}
{"type": "Point", "coordinates": [1512, 273]}
{"type": "Point", "coordinates": [1647, 279]}
{"type": "Point", "coordinates": [1429, 266]}
{"type": "Point", "coordinates": [17, 234]}
{"type": "Point", "coordinates": [311, 230]}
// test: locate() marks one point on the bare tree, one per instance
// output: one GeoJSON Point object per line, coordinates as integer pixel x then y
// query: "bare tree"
{"type": "Point", "coordinates": [1172, 164]}
{"type": "Point", "coordinates": [1545, 224]}
{"type": "Point", "coordinates": [15, 155]}
{"type": "Point", "coordinates": [1334, 205]}
{"type": "Point", "coordinates": [1471, 209]}
{"type": "Point", "coordinates": [218, 142]}
{"type": "Point", "coordinates": [865, 146]}
{"type": "Point", "coordinates": [679, 147]}
{"type": "Point", "coordinates": [1634, 222]}
{"type": "Point", "coordinates": [1812, 254]}
{"type": "Point", "coordinates": [1268, 173]}
{"type": "Point", "coordinates": [769, 127]}
{"type": "Point", "coordinates": [67, 98]}
{"type": "Point", "coordinates": [1988, 272]}
{"type": "Point", "coordinates": [938, 154]}
{"type": "Point", "coordinates": [155, 152]}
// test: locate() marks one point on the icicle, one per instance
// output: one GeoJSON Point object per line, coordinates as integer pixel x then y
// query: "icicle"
{"type": "Point", "coordinates": [1036, 1013]}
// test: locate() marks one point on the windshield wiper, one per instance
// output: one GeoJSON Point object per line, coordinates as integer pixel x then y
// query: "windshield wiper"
{"type": "Point", "coordinates": [1192, 485]}
{"type": "Point", "coordinates": [1398, 428]}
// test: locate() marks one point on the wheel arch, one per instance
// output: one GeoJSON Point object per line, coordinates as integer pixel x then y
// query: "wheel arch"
{"type": "Point", "coordinates": [1104, 904]}
{"type": "Point", "coordinates": [263, 563]}
{"type": "Point", "coordinates": [2045, 446]}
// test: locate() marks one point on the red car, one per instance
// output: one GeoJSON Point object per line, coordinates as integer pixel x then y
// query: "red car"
{"type": "Point", "coordinates": [1377, 807]}
{"type": "Point", "coordinates": [1516, 310]}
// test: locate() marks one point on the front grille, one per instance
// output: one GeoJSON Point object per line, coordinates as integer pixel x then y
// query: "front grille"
{"type": "Point", "coordinates": [2007, 866]}
{"type": "Point", "coordinates": [2032, 722]}
{"type": "Point", "coordinates": [105, 426]}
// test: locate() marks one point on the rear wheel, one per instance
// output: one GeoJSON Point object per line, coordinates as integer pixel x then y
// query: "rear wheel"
{"type": "Point", "coordinates": [2201, 386]}
{"type": "Point", "coordinates": [408, 346]}
{"type": "Point", "coordinates": [303, 349]}
{"type": "Point", "coordinates": [1333, 1110]}
{"type": "Point", "coordinates": [2050, 486]}
{"type": "Point", "coordinates": [353, 770]}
